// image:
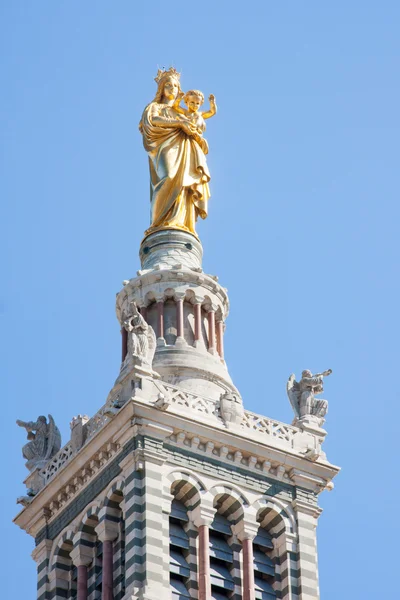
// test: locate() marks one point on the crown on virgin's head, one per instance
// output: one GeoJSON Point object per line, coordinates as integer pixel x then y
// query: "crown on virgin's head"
{"type": "Point", "coordinates": [162, 73]}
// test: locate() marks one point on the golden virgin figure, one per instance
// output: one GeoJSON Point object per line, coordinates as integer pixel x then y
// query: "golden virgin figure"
{"type": "Point", "coordinates": [179, 174]}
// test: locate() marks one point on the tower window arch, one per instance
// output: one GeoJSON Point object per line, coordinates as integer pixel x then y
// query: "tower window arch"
{"type": "Point", "coordinates": [179, 547]}
{"type": "Point", "coordinates": [221, 558]}
{"type": "Point", "coordinates": [264, 565]}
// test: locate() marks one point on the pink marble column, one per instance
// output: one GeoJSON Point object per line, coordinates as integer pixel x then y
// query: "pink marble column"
{"type": "Point", "coordinates": [204, 563]}
{"type": "Point", "coordinates": [211, 330]}
{"type": "Point", "coordinates": [82, 582]}
{"type": "Point", "coordinates": [143, 312]}
{"type": "Point", "coordinates": [248, 570]}
{"type": "Point", "coordinates": [160, 318]}
{"type": "Point", "coordinates": [220, 338]}
{"type": "Point", "coordinates": [107, 584]}
{"type": "Point", "coordinates": [197, 321]}
{"type": "Point", "coordinates": [179, 317]}
{"type": "Point", "coordinates": [124, 337]}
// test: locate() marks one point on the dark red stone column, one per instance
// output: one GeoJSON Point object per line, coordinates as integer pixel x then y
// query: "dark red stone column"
{"type": "Point", "coordinates": [204, 563]}
{"type": "Point", "coordinates": [248, 570]}
{"type": "Point", "coordinates": [211, 330]}
{"type": "Point", "coordinates": [107, 580]}
{"type": "Point", "coordinates": [160, 318]}
{"type": "Point", "coordinates": [82, 582]}
{"type": "Point", "coordinates": [220, 338]}
{"type": "Point", "coordinates": [197, 321]}
{"type": "Point", "coordinates": [124, 338]}
{"type": "Point", "coordinates": [179, 317]}
{"type": "Point", "coordinates": [143, 312]}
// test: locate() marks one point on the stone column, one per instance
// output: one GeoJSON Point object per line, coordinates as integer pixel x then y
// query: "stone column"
{"type": "Point", "coordinates": [107, 532]}
{"type": "Point", "coordinates": [160, 319]}
{"type": "Point", "coordinates": [143, 312]}
{"type": "Point", "coordinates": [124, 339]}
{"type": "Point", "coordinates": [82, 583]}
{"type": "Point", "coordinates": [202, 518]}
{"type": "Point", "coordinates": [180, 332]}
{"type": "Point", "coordinates": [307, 516]}
{"type": "Point", "coordinates": [220, 338]}
{"type": "Point", "coordinates": [246, 530]}
{"type": "Point", "coordinates": [179, 316]}
{"type": "Point", "coordinates": [107, 584]}
{"type": "Point", "coordinates": [82, 557]}
{"type": "Point", "coordinates": [211, 330]}
{"type": "Point", "coordinates": [197, 319]}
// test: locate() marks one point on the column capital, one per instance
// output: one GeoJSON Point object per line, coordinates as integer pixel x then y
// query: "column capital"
{"type": "Point", "coordinates": [245, 529]}
{"type": "Point", "coordinates": [42, 551]}
{"type": "Point", "coordinates": [82, 555]}
{"type": "Point", "coordinates": [302, 508]}
{"type": "Point", "coordinates": [107, 531]}
{"type": "Point", "coordinates": [202, 515]}
{"type": "Point", "coordinates": [179, 296]}
{"type": "Point", "coordinates": [198, 300]}
{"type": "Point", "coordinates": [159, 298]}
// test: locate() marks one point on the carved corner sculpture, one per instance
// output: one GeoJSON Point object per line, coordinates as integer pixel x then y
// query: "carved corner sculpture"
{"type": "Point", "coordinates": [141, 338]}
{"type": "Point", "coordinates": [302, 397]}
{"type": "Point", "coordinates": [44, 441]}
{"type": "Point", "coordinates": [173, 139]}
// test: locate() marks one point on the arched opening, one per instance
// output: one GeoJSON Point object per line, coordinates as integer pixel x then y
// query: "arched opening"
{"type": "Point", "coordinates": [223, 548]}
{"type": "Point", "coordinates": [182, 544]}
{"type": "Point", "coordinates": [264, 565]}
{"type": "Point", "coordinates": [65, 580]}
{"type": "Point", "coordinates": [115, 514]}
{"type": "Point", "coordinates": [271, 529]}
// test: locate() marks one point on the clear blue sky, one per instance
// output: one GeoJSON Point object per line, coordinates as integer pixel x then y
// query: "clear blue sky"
{"type": "Point", "coordinates": [303, 228]}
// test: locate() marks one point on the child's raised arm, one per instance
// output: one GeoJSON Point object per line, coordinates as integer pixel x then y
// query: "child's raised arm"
{"type": "Point", "coordinates": [213, 108]}
{"type": "Point", "coordinates": [176, 104]}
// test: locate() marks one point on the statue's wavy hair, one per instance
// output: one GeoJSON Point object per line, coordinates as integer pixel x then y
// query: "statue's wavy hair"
{"type": "Point", "coordinates": [160, 93]}
{"type": "Point", "coordinates": [196, 93]}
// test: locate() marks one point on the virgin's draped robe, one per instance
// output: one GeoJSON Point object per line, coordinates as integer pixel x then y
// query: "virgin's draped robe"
{"type": "Point", "coordinates": [179, 174]}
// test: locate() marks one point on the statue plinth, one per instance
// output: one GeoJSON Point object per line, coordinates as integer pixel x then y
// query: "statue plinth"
{"type": "Point", "coordinates": [171, 248]}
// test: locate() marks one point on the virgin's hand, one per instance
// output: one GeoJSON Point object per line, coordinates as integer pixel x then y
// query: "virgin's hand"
{"type": "Point", "coordinates": [188, 128]}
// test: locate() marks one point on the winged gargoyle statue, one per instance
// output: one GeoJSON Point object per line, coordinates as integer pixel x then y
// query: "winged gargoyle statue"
{"type": "Point", "coordinates": [302, 395]}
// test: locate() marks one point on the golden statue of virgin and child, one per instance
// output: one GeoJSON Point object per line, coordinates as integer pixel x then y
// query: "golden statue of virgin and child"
{"type": "Point", "coordinates": [173, 139]}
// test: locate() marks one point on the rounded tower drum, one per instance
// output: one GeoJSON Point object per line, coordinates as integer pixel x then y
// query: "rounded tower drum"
{"type": "Point", "coordinates": [186, 309]}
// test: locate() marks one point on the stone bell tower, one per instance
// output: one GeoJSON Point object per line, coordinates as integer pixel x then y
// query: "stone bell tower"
{"type": "Point", "coordinates": [174, 490]}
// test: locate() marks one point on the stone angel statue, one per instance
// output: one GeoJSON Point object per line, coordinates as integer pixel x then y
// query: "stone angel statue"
{"type": "Point", "coordinates": [141, 337]}
{"type": "Point", "coordinates": [44, 441]}
{"type": "Point", "coordinates": [302, 395]}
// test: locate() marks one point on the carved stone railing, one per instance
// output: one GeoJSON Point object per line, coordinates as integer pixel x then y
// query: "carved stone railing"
{"type": "Point", "coordinates": [67, 452]}
{"type": "Point", "coordinates": [269, 427]}
{"type": "Point", "coordinates": [180, 397]}
{"type": "Point", "coordinates": [55, 463]}
{"type": "Point", "coordinates": [96, 423]}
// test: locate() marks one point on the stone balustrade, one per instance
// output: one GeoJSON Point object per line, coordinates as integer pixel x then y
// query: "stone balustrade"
{"type": "Point", "coordinates": [179, 400]}
{"type": "Point", "coordinates": [58, 461]}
